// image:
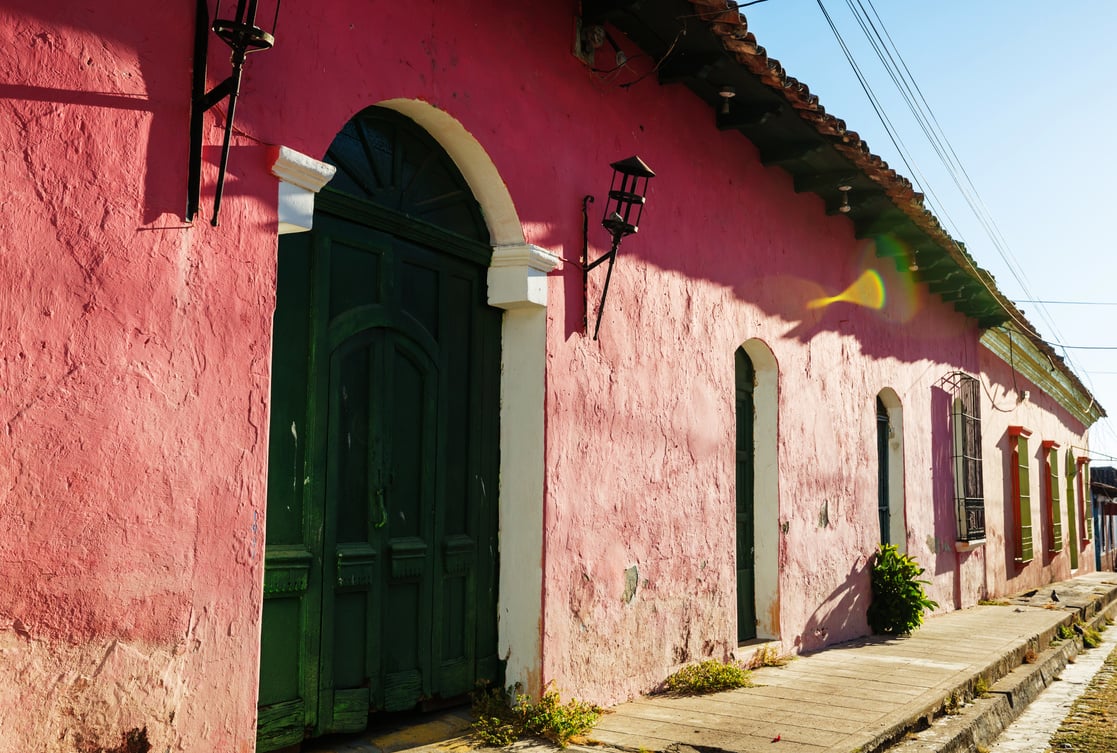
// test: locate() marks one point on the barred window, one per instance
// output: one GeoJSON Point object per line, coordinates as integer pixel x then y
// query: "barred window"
{"type": "Point", "coordinates": [969, 494]}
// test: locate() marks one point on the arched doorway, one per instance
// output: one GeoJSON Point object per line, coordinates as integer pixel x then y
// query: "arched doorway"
{"type": "Point", "coordinates": [381, 560]}
{"type": "Point", "coordinates": [745, 376]}
{"type": "Point", "coordinates": [891, 510]}
{"type": "Point", "coordinates": [757, 473]}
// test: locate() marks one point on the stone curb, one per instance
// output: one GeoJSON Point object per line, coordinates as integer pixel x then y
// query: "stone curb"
{"type": "Point", "coordinates": [980, 722]}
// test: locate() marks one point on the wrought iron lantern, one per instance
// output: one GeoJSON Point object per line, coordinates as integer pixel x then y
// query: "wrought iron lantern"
{"type": "Point", "coordinates": [243, 37]}
{"type": "Point", "coordinates": [623, 209]}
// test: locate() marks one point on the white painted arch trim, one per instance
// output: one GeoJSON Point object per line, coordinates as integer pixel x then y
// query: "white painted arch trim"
{"type": "Point", "coordinates": [518, 285]}
{"type": "Point", "coordinates": [766, 488]}
{"type": "Point", "coordinates": [518, 276]}
{"type": "Point", "coordinates": [300, 178]}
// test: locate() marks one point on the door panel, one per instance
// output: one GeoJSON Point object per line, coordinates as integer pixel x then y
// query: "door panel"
{"type": "Point", "coordinates": [884, 509]}
{"type": "Point", "coordinates": [746, 568]}
{"type": "Point", "coordinates": [382, 570]}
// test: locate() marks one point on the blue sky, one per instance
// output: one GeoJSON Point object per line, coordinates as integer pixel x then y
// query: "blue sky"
{"type": "Point", "coordinates": [1025, 94]}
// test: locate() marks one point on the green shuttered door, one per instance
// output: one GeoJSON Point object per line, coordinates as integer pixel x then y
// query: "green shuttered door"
{"type": "Point", "coordinates": [746, 568]}
{"type": "Point", "coordinates": [381, 558]}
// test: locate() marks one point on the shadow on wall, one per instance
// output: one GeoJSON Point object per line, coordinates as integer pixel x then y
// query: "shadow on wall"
{"type": "Point", "coordinates": [795, 263]}
{"type": "Point", "coordinates": [942, 487]}
{"type": "Point", "coordinates": [842, 613]}
{"type": "Point", "coordinates": [97, 60]}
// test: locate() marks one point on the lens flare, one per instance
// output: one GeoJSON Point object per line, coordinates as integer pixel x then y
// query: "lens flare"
{"type": "Point", "coordinates": [867, 290]}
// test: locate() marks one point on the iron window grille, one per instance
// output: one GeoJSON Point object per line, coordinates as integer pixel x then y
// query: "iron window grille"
{"type": "Point", "coordinates": [969, 494]}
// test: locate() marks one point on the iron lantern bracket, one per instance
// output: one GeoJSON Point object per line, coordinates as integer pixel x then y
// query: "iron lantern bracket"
{"type": "Point", "coordinates": [587, 265]}
{"type": "Point", "coordinates": [243, 37]}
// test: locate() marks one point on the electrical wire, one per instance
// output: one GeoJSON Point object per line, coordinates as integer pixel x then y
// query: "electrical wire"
{"type": "Point", "coordinates": [1071, 303]}
{"type": "Point", "coordinates": [880, 40]}
{"type": "Point", "coordinates": [894, 64]}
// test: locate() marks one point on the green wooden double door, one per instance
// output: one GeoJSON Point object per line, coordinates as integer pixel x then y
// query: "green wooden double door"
{"type": "Point", "coordinates": [381, 556]}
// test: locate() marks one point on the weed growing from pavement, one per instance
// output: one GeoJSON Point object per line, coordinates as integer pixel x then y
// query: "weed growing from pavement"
{"type": "Point", "coordinates": [505, 717]}
{"type": "Point", "coordinates": [981, 687]}
{"type": "Point", "coordinates": [993, 603]}
{"type": "Point", "coordinates": [709, 676]}
{"type": "Point", "coordinates": [1091, 638]}
{"type": "Point", "coordinates": [768, 656]}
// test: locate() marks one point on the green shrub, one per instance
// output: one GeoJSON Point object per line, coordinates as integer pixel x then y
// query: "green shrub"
{"type": "Point", "coordinates": [899, 600]}
{"type": "Point", "coordinates": [501, 722]}
{"type": "Point", "coordinates": [709, 676]}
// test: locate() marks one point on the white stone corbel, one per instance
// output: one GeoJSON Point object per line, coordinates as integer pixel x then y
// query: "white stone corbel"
{"type": "Point", "coordinates": [518, 276]}
{"type": "Point", "coordinates": [300, 178]}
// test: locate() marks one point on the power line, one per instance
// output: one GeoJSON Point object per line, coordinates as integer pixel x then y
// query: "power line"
{"type": "Point", "coordinates": [907, 87]}
{"type": "Point", "coordinates": [1082, 347]}
{"type": "Point", "coordinates": [1071, 303]}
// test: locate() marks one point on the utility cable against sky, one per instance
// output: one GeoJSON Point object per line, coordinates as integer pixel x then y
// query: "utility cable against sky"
{"type": "Point", "coordinates": [888, 53]}
{"type": "Point", "coordinates": [924, 185]}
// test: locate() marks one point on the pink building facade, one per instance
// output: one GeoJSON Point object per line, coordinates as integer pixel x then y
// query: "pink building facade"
{"type": "Point", "coordinates": [194, 554]}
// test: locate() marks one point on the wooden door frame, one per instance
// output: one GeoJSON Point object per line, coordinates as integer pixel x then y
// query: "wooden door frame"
{"type": "Point", "coordinates": [517, 284]}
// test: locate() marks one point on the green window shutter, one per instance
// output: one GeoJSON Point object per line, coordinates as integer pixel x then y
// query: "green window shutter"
{"type": "Point", "coordinates": [1024, 499]}
{"type": "Point", "coordinates": [1086, 499]}
{"type": "Point", "coordinates": [1071, 524]}
{"type": "Point", "coordinates": [1053, 500]}
{"type": "Point", "coordinates": [1069, 470]}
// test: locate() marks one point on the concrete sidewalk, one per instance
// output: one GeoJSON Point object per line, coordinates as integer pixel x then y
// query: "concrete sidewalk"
{"type": "Point", "coordinates": [865, 696]}
{"type": "Point", "coordinates": [859, 697]}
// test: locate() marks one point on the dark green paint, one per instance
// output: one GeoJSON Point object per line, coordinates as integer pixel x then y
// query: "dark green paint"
{"type": "Point", "coordinates": [746, 567]}
{"type": "Point", "coordinates": [884, 511]}
{"type": "Point", "coordinates": [380, 576]}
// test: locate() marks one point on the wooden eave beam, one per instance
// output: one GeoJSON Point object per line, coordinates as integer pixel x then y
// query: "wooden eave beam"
{"type": "Point", "coordinates": [813, 182]}
{"type": "Point", "coordinates": [747, 115]}
{"type": "Point", "coordinates": [688, 65]}
{"type": "Point", "coordinates": [789, 152]}
{"type": "Point", "coordinates": [600, 11]}
{"type": "Point", "coordinates": [885, 222]}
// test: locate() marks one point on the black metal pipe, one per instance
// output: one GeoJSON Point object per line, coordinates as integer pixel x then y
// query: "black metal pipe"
{"type": "Point", "coordinates": [234, 80]}
{"type": "Point", "coordinates": [612, 256]}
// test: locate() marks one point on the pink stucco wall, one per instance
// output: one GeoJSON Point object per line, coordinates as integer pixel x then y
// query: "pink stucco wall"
{"type": "Point", "coordinates": [134, 354]}
{"type": "Point", "coordinates": [1048, 421]}
{"type": "Point", "coordinates": [134, 361]}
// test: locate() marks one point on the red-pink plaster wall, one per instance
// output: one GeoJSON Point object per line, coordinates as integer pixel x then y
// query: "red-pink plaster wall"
{"type": "Point", "coordinates": [1048, 421]}
{"type": "Point", "coordinates": [134, 359]}
{"type": "Point", "coordinates": [134, 364]}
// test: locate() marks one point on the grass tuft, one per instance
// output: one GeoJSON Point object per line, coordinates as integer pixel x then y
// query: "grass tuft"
{"type": "Point", "coordinates": [768, 656]}
{"type": "Point", "coordinates": [709, 676]}
{"type": "Point", "coordinates": [501, 721]}
{"type": "Point", "coordinates": [1089, 727]}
